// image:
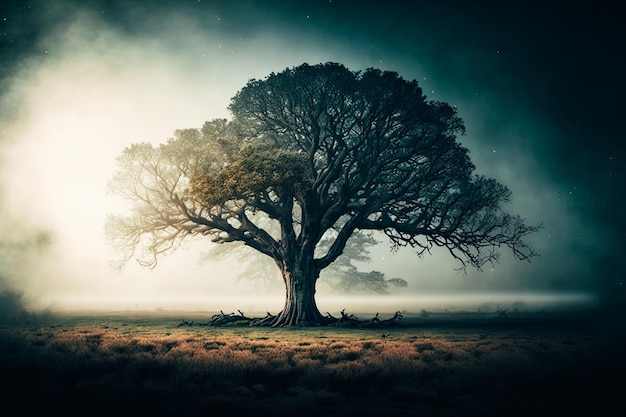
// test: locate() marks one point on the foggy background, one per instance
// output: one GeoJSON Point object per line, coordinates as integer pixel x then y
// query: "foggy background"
{"type": "Point", "coordinates": [537, 87]}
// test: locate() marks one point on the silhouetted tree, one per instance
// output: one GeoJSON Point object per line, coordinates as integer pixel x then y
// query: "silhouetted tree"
{"type": "Point", "coordinates": [342, 275]}
{"type": "Point", "coordinates": [317, 153]}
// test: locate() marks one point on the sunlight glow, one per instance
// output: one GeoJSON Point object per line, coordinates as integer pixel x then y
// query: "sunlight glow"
{"type": "Point", "coordinates": [97, 92]}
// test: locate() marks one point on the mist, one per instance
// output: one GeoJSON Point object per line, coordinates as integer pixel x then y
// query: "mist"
{"type": "Point", "coordinates": [94, 84]}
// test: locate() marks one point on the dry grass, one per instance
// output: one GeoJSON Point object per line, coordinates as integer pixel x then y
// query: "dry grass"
{"type": "Point", "coordinates": [149, 366]}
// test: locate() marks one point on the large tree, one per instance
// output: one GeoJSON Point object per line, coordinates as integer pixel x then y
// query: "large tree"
{"type": "Point", "coordinates": [310, 156]}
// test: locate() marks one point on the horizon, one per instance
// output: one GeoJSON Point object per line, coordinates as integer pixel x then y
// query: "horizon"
{"type": "Point", "coordinates": [432, 303]}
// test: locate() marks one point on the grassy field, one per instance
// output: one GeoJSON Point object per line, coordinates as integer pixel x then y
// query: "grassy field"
{"type": "Point", "coordinates": [440, 365]}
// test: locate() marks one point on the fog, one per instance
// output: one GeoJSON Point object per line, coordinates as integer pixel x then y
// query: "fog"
{"type": "Point", "coordinates": [92, 88]}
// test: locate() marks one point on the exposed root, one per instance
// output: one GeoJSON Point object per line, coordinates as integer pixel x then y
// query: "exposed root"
{"type": "Point", "coordinates": [346, 320]}
{"type": "Point", "coordinates": [350, 320]}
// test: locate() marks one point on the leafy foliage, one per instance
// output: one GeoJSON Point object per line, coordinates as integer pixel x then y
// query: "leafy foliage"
{"type": "Point", "coordinates": [251, 172]}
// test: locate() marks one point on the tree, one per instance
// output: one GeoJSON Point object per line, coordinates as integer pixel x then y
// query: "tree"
{"type": "Point", "coordinates": [312, 155]}
{"type": "Point", "coordinates": [342, 275]}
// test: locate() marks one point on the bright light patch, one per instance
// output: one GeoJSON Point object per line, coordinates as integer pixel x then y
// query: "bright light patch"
{"type": "Point", "coordinates": [80, 110]}
{"type": "Point", "coordinates": [95, 93]}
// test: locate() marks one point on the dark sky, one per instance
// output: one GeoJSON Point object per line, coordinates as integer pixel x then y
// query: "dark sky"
{"type": "Point", "coordinates": [539, 85]}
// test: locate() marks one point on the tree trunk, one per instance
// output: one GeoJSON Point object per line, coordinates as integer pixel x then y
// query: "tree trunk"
{"type": "Point", "coordinates": [300, 308]}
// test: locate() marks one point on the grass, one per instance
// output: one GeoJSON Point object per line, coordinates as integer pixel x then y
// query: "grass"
{"type": "Point", "coordinates": [428, 366]}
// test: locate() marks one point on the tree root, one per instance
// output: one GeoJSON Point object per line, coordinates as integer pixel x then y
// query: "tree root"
{"type": "Point", "coordinates": [350, 320]}
{"type": "Point", "coordinates": [346, 320]}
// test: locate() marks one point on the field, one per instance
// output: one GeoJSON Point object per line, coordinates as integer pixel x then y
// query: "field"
{"type": "Point", "coordinates": [439, 365]}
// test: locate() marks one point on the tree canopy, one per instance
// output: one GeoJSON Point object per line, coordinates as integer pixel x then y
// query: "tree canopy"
{"type": "Point", "coordinates": [311, 156]}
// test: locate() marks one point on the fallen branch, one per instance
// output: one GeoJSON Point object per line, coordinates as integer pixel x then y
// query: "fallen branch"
{"type": "Point", "coordinates": [230, 319]}
{"type": "Point", "coordinates": [346, 320]}
{"type": "Point", "coordinates": [352, 321]}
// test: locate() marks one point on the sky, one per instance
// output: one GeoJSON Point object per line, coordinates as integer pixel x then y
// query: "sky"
{"type": "Point", "coordinates": [538, 85]}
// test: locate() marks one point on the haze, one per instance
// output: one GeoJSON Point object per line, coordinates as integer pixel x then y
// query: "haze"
{"type": "Point", "coordinates": [92, 88]}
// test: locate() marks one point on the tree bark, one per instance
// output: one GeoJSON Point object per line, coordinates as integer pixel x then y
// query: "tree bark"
{"type": "Point", "coordinates": [300, 307]}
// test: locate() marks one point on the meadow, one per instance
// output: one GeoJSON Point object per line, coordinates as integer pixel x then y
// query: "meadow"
{"type": "Point", "coordinates": [162, 364]}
